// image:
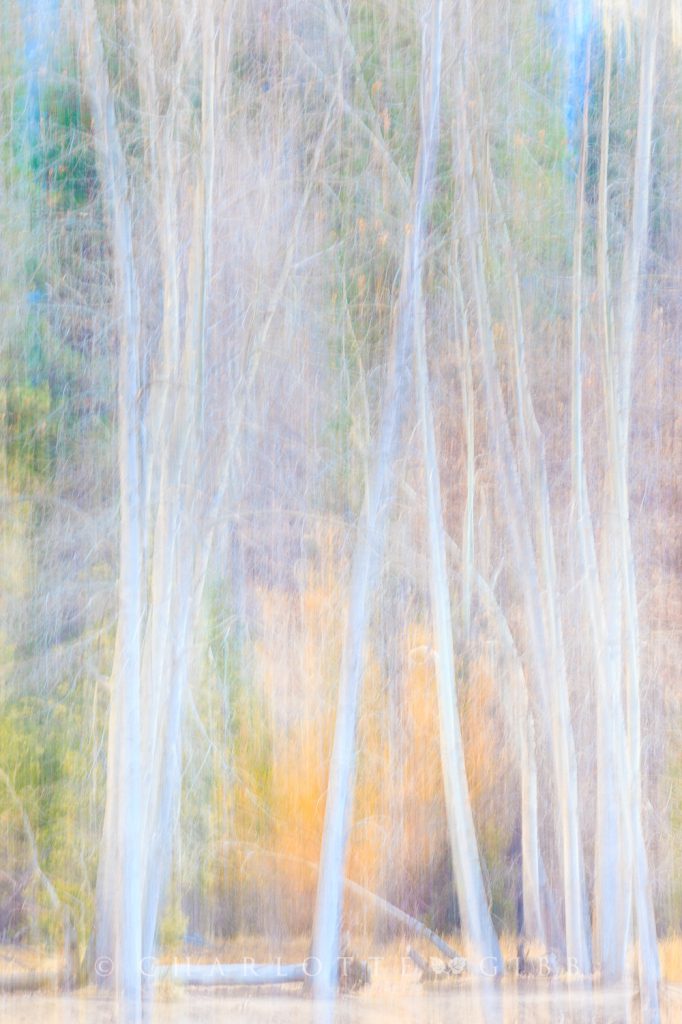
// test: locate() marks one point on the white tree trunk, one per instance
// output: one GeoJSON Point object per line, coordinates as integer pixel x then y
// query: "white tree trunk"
{"type": "Point", "coordinates": [546, 646]}
{"type": "Point", "coordinates": [371, 536]}
{"type": "Point", "coordinates": [122, 861]}
{"type": "Point", "coordinates": [619, 422]}
{"type": "Point", "coordinates": [483, 949]}
{"type": "Point", "coordinates": [612, 844]}
{"type": "Point", "coordinates": [174, 545]}
{"type": "Point", "coordinates": [183, 534]}
{"type": "Point", "coordinates": [516, 704]}
{"type": "Point", "coordinates": [469, 407]}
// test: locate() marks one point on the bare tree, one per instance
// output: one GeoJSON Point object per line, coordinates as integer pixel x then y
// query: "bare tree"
{"type": "Point", "coordinates": [371, 535]}
{"type": "Point", "coordinates": [619, 345]}
{"type": "Point", "coordinates": [476, 921]}
{"type": "Point", "coordinates": [122, 840]}
{"type": "Point", "coordinates": [536, 571]}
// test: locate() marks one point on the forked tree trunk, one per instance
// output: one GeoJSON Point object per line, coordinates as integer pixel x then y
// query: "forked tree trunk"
{"type": "Point", "coordinates": [178, 562]}
{"type": "Point", "coordinates": [176, 550]}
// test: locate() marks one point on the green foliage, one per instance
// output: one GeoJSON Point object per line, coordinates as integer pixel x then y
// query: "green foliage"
{"type": "Point", "coordinates": [58, 162]}
{"type": "Point", "coordinates": [47, 177]}
{"type": "Point", "coordinates": [29, 753]}
{"type": "Point", "coordinates": [64, 160]}
{"type": "Point", "coordinates": [387, 74]}
{"type": "Point", "coordinates": [43, 755]}
{"type": "Point", "coordinates": [42, 379]}
{"type": "Point", "coordinates": [28, 430]}
{"type": "Point", "coordinates": [173, 924]}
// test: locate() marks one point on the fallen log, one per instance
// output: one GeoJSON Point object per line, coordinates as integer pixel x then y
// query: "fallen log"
{"type": "Point", "coordinates": [427, 973]}
{"type": "Point", "coordinates": [412, 924]}
{"type": "Point", "coordinates": [434, 969]}
{"type": "Point", "coordinates": [246, 973]}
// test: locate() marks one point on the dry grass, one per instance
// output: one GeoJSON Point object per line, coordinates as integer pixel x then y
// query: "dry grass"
{"type": "Point", "coordinates": [388, 962]}
{"type": "Point", "coordinates": [671, 958]}
{"type": "Point", "coordinates": [27, 959]}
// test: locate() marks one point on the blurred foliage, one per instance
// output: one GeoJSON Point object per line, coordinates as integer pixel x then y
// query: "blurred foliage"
{"type": "Point", "coordinates": [50, 717]}
{"type": "Point", "coordinates": [262, 697]}
{"type": "Point", "coordinates": [62, 162]}
{"type": "Point", "coordinates": [42, 754]}
{"type": "Point", "coordinates": [29, 438]}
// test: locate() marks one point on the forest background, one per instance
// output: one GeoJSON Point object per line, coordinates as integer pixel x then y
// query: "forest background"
{"type": "Point", "coordinates": [207, 212]}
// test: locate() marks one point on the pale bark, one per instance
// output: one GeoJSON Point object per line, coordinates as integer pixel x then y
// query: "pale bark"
{"type": "Point", "coordinates": [533, 459]}
{"type": "Point", "coordinates": [516, 704]}
{"type": "Point", "coordinates": [370, 542]}
{"type": "Point", "coordinates": [538, 903]}
{"type": "Point", "coordinates": [123, 825]}
{"type": "Point", "coordinates": [477, 925]}
{"type": "Point", "coordinates": [468, 406]}
{"type": "Point", "coordinates": [546, 645]}
{"type": "Point", "coordinates": [613, 864]}
{"type": "Point", "coordinates": [532, 859]}
{"type": "Point", "coordinates": [156, 667]}
{"type": "Point", "coordinates": [234, 974]}
{"type": "Point", "coordinates": [177, 556]}
{"type": "Point", "coordinates": [620, 378]}
{"type": "Point", "coordinates": [174, 551]}
{"type": "Point", "coordinates": [518, 707]}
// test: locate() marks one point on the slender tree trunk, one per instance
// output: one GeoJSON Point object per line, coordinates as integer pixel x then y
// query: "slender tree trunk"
{"type": "Point", "coordinates": [620, 378]}
{"type": "Point", "coordinates": [517, 706]}
{"type": "Point", "coordinates": [546, 644]}
{"type": "Point", "coordinates": [176, 550]}
{"type": "Point", "coordinates": [122, 861]}
{"type": "Point", "coordinates": [369, 547]}
{"type": "Point", "coordinates": [532, 913]}
{"type": "Point", "coordinates": [468, 406]}
{"type": "Point", "coordinates": [483, 948]}
{"type": "Point", "coordinates": [176, 553]}
{"type": "Point", "coordinates": [612, 860]}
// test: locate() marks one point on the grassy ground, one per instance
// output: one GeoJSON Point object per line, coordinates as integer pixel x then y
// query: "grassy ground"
{"type": "Point", "coordinates": [671, 958]}
{"type": "Point", "coordinates": [386, 961]}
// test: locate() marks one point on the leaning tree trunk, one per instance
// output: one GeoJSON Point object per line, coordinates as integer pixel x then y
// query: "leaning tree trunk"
{"type": "Point", "coordinates": [483, 949]}
{"type": "Point", "coordinates": [371, 536]}
{"type": "Point", "coordinates": [537, 900]}
{"type": "Point", "coordinates": [522, 722]}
